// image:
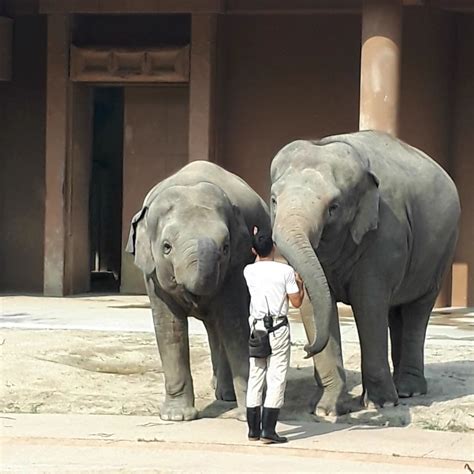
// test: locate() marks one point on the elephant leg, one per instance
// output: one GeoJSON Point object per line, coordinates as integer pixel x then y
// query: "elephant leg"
{"type": "Point", "coordinates": [230, 316]}
{"type": "Point", "coordinates": [370, 302]}
{"type": "Point", "coordinates": [328, 365]}
{"type": "Point", "coordinates": [222, 375]}
{"type": "Point", "coordinates": [410, 380]}
{"type": "Point", "coordinates": [235, 340]}
{"type": "Point", "coordinates": [395, 323]}
{"type": "Point", "coordinates": [171, 330]}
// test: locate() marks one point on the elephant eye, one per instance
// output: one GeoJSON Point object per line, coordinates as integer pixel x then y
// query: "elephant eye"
{"type": "Point", "coordinates": [166, 248]}
{"type": "Point", "coordinates": [333, 208]}
{"type": "Point", "coordinates": [273, 202]}
{"type": "Point", "coordinates": [225, 249]}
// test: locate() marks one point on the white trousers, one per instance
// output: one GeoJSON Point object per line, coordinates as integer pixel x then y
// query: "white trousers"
{"type": "Point", "coordinates": [271, 370]}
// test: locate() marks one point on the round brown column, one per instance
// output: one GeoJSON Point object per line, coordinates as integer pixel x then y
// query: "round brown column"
{"type": "Point", "coordinates": [380, 65]}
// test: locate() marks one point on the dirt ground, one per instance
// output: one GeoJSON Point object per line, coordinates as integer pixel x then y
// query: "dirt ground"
{"type": "Point", "coordinates": [97, 372]}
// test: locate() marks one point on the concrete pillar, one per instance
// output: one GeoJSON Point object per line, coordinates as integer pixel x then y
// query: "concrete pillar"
{"type": "Point", "coordinates": [380, 65]}
{"type": "Point", "coordinates": [6, 47]}
{"type": "Point", "coordinates": [67, 169]}
{"type": "Point", "coordinates": [202, 88]}
{"type": "Point", "coordinates": [57, 98]}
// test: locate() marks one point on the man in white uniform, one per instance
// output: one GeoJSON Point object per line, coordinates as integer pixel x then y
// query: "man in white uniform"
{"type": "Point", "coordinates": [270, 284]}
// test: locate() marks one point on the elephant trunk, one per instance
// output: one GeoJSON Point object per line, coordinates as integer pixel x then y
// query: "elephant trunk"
{"type": "Point", "coordinates": [291, 236]}
{"type": "Point", "coordinates": [202, 270]}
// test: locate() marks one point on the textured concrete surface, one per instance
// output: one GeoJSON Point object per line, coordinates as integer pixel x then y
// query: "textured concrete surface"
{"type": "Point", "coordinates": [98, 353]}
{"type": "Point", "coordinates": [58, 443]}
{"type": "Point", "coordinates": [132, 313]}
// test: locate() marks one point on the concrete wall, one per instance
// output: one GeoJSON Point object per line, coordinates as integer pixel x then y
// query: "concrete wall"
{"type": "Point", "coordinates": [427, 75]}
{"type": "Point", "coordinates": [78, 269]}
{"type": "Point", "coordinates": [22, 143]}
{"type": "Point", "coordinates": [427, 80]}
{"type": "Point", "coordinates": [280, 78]}
{"type": "Point", "coordinates": [463, 160]}
{"type": "Point", "coordinates": [437, 115]}
{"type": "Point", "coordinates": [298, 76]}
{"type": "Point", "coordinates": [284, 77]}
{"type": "Point", "coordinates": [155, 146]}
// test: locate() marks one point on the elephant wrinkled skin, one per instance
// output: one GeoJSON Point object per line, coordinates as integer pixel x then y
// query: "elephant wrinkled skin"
{"type": "Point", "coordinates": [192, 239]}
{"type": "Point", "coordinates": [373, 222]}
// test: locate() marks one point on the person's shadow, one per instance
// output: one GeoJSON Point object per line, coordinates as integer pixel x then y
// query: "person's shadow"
{"type": "Point", "coordinates": [447, 381]}
{"type": "Point", "coordinates": [301, 396]}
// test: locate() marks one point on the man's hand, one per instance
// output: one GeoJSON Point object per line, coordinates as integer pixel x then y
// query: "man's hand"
{"type": "Point", "coordinates": [297, 298]}
{"type": "Point", "coordinates": [299, 280]}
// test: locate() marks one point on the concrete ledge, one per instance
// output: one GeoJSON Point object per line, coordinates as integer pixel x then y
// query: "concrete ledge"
{"type": "Point", "coordinates": [401, 446]}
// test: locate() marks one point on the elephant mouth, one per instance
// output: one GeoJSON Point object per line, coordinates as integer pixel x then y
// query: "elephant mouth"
{"type": "Point", "coordinates": [190, 298]}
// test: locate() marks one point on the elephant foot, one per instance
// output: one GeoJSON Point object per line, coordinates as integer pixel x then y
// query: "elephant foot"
{"type": "Point", "coordinates": [223, 386]}
{"type": "Point", "coordinates": [409, 385]}
{"type": "Point", "coordinates": [177, 410]}
{"type": "Point", "coordinates": [223, 390]}
{"type": "Point", "coordinates": [379, 395]}
{"type": "Point", "coordinates": [335, 402]}
{"type": "Point", "coordinates": [227, 394]}
{"type": "Point", "coordinates": [237, 413]}
{"type": "Point", "coordinates": [365, 402]}
{"type": "Point", "coordinates": [241, 414]}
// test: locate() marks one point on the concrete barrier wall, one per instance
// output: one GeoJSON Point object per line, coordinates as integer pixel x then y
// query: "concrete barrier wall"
{"type": "Point", "coordinates": [22, 142]}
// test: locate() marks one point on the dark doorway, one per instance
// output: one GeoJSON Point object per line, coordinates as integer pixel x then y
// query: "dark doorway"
{"type": "Point", "coordinates": [106, 190]}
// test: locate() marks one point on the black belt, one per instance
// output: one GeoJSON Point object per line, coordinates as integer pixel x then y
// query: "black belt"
{"type": "Point", "coordinates": [278, 326]}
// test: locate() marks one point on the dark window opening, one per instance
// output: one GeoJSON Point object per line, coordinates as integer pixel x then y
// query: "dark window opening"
{"type": "Point", "coordinates": [105, 204]}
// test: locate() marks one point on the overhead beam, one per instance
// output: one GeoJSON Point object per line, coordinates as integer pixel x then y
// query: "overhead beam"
{"type": "Point", "coordinates": [240, 7]}
{"type": "Point", "coordinates": [295, 11]}
{"type": "Point", "coordinates": [465, 6]}
{"type": "Point", "coordinates": [130, 65]}
{"type": "Point", "coordinates": [20, 7]}
{"type": "Point", "coordinates": [130, 6]}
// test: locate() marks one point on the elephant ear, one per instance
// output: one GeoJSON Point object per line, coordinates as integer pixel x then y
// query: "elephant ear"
{"type": "Point", "coordinates": [367, 215]}
{"type": "Point", "coordinates": [139, 243]}
{"type": "Point", "coordinates": [241, 241]}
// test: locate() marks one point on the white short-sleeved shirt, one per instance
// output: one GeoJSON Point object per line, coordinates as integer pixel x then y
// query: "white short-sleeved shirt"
{"type": "Point", "coordinates": [272, 280]}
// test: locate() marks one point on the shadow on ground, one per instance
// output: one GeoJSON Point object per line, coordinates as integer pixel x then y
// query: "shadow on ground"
{"type": "Point", "coordinates": [120, 373]}
{"type": "Point", "coordinates": [450, 396]}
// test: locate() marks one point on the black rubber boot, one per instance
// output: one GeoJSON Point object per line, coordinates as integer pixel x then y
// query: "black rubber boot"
{"type": "Point", "coordinates": [269, 420]}
{"type": "Point", "coordinates": [253, 420]}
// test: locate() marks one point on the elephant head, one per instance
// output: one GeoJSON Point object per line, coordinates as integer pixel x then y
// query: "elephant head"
{"type": "Point", "coordinates": [186, 235]}
{"type": "Point", "coordinates": [322, 194]}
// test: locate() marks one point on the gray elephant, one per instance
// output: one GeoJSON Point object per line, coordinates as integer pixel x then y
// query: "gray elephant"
{"type": "Point", "coordinates": [372, 222]}
{"type": "Point", "coordinates": [192, 239]}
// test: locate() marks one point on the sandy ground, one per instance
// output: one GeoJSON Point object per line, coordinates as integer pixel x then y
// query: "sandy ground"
{"type": "Point", "coordinates": [119, 372]}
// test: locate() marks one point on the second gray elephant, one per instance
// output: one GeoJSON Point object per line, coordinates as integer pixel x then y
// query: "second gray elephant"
{"type": "Point", "coordinates": [192, 239]}
{"type": "Point", "coordinates": [373, 222]}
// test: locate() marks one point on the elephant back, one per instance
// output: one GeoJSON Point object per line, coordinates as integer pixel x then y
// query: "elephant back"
{"type": "Point", "coordinates": [252, 206]}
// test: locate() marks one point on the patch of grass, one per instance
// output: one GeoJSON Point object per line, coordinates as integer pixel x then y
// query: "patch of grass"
{"type": "Point", "coordinates": [154, 440]}
{"type": "Point", "coordinates": [451, 426]}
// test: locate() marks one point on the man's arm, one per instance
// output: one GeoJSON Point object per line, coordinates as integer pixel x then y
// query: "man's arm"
{"type": "Point", "coordinates": [296, 299]}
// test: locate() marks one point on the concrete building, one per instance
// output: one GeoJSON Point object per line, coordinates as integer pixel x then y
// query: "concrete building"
{"type": "Point", "coordinates": [100, 99]}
